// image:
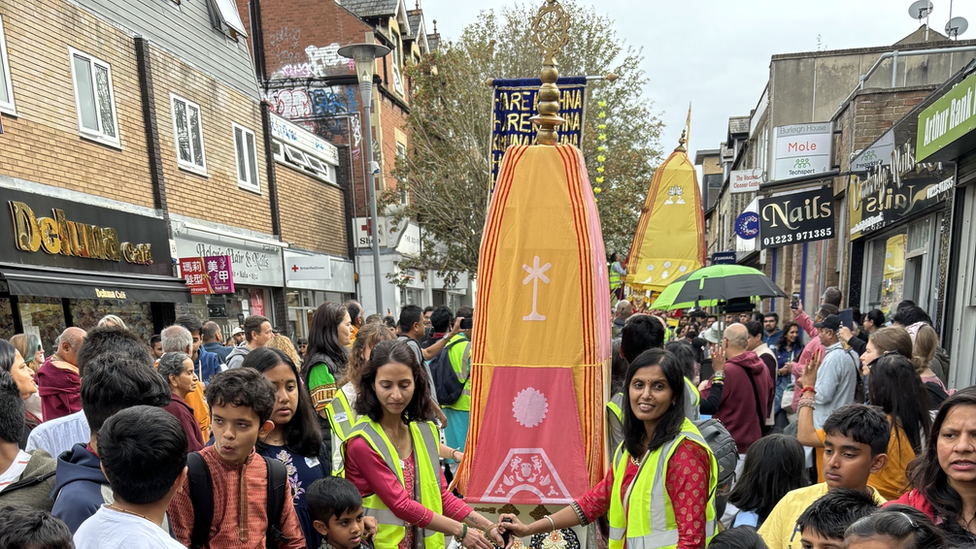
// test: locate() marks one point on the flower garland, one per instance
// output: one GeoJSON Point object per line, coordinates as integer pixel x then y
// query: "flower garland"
{"type": "Point", "coordinates": [601, 148]}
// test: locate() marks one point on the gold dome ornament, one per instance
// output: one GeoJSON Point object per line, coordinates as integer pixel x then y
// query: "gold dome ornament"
{"type": "Point", "coordinates": [550, 33]}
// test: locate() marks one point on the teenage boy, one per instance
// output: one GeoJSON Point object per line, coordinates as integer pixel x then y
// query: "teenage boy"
{"type": "Point", "coordinates": [111, 383]}
{"type": "Point", "coordinates": [143, 453]}
{"type": "Point", "coordinates": [23, 527]}
{"type": "Point", "coordinates": [336, 509]}
{"type": "Point", "coordinates": [856, 441]}
{"type": "Point", "coordinates": [241, 402]}
{"type": "Point", "coordinates": [25, 478]}
{"type": "Point", "coordinates": [823, 524]}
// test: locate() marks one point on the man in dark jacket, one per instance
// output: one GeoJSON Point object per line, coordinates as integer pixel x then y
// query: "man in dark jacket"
{"type": "Point", "coordinates": [206, 364]}
{"type": "Point", "coordinates": [739, 410]}
{"type": "Point", "coordinates": [212, 341]}
{"type": "Point", "coordinates": [113, 382]}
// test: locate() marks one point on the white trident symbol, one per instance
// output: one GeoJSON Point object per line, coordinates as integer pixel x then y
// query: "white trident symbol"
{"type": "Point", "coordinates": [536, 273]}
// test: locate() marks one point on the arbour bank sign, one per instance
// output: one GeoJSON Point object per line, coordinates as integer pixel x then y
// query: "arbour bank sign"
{"type": "Point", "coordinates": [801, 149]}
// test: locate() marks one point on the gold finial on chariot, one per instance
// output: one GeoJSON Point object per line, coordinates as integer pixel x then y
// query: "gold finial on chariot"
{"type": "Point", "coordinates": [550, 33]}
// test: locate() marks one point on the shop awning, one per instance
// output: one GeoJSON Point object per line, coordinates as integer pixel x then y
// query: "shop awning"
{"type": "Point", "coordinates": [75, 284]}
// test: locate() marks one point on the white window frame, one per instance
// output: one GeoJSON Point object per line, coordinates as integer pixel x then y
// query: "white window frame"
{"type": "Point", "coordinates": [9, 106]}
{"type": "Point", "coordinates": [87, 133]}
{"type": "Point", "coordinates": [245, 183]}
{"type": "Point", "coordinates": [402, 153]}
{"type": "Point", "coordinates": [190, 166]}
{"type": "Point", "coordinates": [305, 162]}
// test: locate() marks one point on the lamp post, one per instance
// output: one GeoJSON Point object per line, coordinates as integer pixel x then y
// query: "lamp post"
{"type": "Point", "coordinates": [364, 56]}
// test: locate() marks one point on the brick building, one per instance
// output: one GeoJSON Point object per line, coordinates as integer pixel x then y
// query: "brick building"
{"type": "Point", "coordinates": [306, 82]}
{"type": "Point", "coordinates": [161, 145]}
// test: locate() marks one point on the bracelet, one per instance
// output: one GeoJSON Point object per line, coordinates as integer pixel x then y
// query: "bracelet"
{"type": "Point", "coordinates": [456, 451]}
{"type": "Point", "coordinates": [551, 523]}
{"type": "Point", "coordinates": [464, 533]}
{"type": "Point", "coordinates": [488, 529]}
{"type": "Point", "coordinates": [806, 403]}
{"type": "Point", "coordinates": [718, 376]}
{"type": "Point", "coordinates": [805, 389]}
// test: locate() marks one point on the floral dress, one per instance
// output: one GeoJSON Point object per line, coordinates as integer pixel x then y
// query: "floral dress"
{"type": "Point", "coordinates": [302, 472]}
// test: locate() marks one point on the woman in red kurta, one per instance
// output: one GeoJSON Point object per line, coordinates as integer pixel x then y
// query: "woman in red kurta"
{"type": "Point", "coordinates": [393, 393]}
{"type": "Point", "coordinates": [654, 418]}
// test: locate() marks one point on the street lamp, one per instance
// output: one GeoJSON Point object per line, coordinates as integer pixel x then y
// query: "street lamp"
{"type": "Point", "coordinates": [365, 56]}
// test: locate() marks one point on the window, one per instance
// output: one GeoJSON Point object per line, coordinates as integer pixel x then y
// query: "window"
{"type": "Point", "coordinates": [245, 151]}
{"type": "Point", "coordinates": [397, 79]}
{"type": "Point", "coordinates": [305, 161]}
{"type": "Point", "coordinates": [188, 132]}
{"type": "Point", "coordinates": [402, 157]}
{"type": "Point", "coordinates": [94, 98]}
{"type": "Point", "coordinates": [6, 90]}
{"type": "Point", "coordinates": [224, 13]}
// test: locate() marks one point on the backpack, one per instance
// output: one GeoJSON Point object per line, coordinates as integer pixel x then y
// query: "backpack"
{"type": "Point", "coordinates": [201, 497]}
{"type": "Point", "coordinates": [726, 455]}
{"type": "Point", "coordinates": [446, 382]}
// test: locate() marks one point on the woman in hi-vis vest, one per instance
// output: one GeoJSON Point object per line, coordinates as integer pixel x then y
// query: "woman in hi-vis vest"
{"type": "Point", "coordinates": [391, 457]}
{"type": "Point", "coordinates": [660, 491]}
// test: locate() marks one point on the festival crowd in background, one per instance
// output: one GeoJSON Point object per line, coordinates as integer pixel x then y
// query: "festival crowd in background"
{"type": "Point", "coordinates": [744, 431]}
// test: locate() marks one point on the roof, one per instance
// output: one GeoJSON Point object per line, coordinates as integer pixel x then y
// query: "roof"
{"type": "Point", "coordinates": [416, 19]}
{"type": "Point", "coordinates": [701, 154]}
{"type": "Point", "coordinates": [371, 8]}
{"type": "Point", "coordinates": [738, 125]}
{"type": "Point", "coordinates": [434, 40]}
{"type": "Point", "coordinates": [184, 31]}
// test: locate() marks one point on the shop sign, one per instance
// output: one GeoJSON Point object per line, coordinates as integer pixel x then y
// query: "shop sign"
{"type": "Point", "coordinates": [251, 264]}
{"type": "Point", "coordinates": [723, 258]}
{"type": "Point", "coordinates": [747, 225]}
{"type": "Point", "coordinates": [798, 217]}
{"type": "Point", "coordinates": [409, 243]}
{"type": "Point", "coordinates": [745, 181]}
{"type": "Point", "coordinates": [895, 187]}
{"type": "Point", "coordinates": [81, 236]}
{"type": "Point", "coordinates": [877, 154]}
{"type": "Point", "coordinates": [801, 150]}
{"type": "Point", "coordinates": [295, 136]}
{"type": "Point", "coordinates": [307, 267]}
{"type": "Point", "coordinates": [208, 275]}
{"type": "Point", "coordinates": [947, 119]}
{"type": "Point", "coordinates": [363, 226]}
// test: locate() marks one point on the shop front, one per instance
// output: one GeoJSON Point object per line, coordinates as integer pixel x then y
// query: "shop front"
{"type": "Point", "coordinates": [947, 134]}
{"type": "Point", "coordinates": [66, 263]}
{"type": "Point", "coordinates": [899, 215]}
{"type": "Point", "coordinates": [312, 279]}
{"type": "Point", "coordinates": [256, 268]}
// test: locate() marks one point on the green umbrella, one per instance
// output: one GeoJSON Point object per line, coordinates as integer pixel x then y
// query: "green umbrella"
{"type": "Point", "coordinates": [709, 286]}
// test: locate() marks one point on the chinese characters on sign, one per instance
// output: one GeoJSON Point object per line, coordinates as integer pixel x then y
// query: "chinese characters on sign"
{"type": "Point", "coordinates": [208, 275]}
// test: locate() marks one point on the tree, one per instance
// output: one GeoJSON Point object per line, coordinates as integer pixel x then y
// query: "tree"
{"type": "Point", "coordinates": [446, 170]}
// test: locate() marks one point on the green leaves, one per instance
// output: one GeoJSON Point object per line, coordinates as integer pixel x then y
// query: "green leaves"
{"type": "Point", "coordinates": [446, 168]}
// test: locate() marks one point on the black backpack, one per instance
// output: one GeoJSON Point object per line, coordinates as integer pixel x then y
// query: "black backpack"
{"type": "Point", "coordinates": [201, 497]}
{"type": "Point", "coordinates": [446, 382]}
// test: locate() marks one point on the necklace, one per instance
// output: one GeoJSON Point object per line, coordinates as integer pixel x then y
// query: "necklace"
{"type": "Point", "coordinates": [128, 512]}
{"type": "Point", "coordinates": [399, 437]}
{"type": "Point", "coordinates": [635, 461]}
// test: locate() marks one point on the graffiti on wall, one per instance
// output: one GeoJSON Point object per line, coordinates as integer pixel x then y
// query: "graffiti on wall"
{"type": "Point", "coordinates": [317, 62]}
{"type": "Point", "coordinates": [301, 103]}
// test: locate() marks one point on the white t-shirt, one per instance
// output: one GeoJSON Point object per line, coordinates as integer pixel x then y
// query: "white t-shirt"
{"type": "Point", "coordinates": [110, 529]}
{"type": "Point", "coordinates": [16, 469]}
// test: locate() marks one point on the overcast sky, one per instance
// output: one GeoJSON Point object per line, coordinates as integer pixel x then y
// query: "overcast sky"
{"type": "Point", "coordinates": [715, 53]}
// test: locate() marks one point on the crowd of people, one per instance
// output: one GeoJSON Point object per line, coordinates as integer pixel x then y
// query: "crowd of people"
{"type": "Point", "coordinates": [333, 441]}
{"type": "Point", "coordinates": [732, 432]}
{"type": "Point", "coordinates": [846, 438]}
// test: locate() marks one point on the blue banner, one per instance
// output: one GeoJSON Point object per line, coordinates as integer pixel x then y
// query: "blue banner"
{"type": "Point", "coordinates": [515, 105]}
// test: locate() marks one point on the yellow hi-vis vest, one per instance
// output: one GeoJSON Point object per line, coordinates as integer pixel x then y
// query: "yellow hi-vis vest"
{"type": "Point", "coordinates": [460, 357]}
{"type": "Point", "coordinates": [342, 418]}
{"type": "Point", "coordinates": [615, 277]}
{"type": "Point", "coordinates": [425, 444]}
{"type": "Point", "coordinates": [645, 514]}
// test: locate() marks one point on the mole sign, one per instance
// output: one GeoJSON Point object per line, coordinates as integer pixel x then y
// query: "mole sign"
{"type": "Point", "coordinates": [515, 103]}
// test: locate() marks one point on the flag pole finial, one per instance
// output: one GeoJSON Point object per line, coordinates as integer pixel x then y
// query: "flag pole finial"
{"type": "Point", "coordinates": [681, 142]}
{"type": "Point", "coordinates": [550, 29]}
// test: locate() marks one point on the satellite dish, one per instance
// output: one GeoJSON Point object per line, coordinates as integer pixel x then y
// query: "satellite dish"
{"type": "Point", "coordinates": [920, 9]}
{"type": "Point", "coordinates": [956, 26]}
